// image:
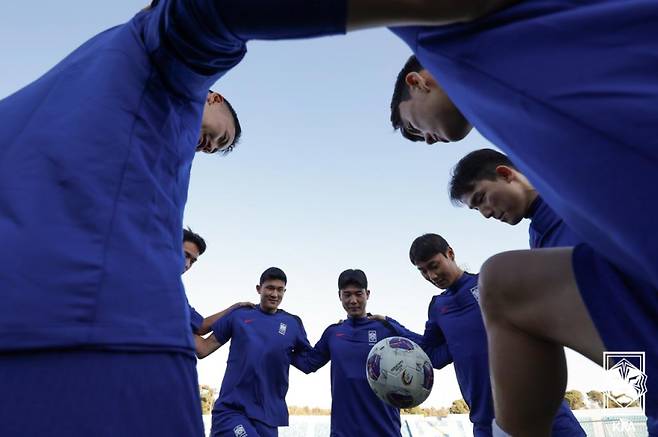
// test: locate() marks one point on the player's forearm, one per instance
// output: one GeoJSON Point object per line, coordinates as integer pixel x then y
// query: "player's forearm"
{"type": "Point", "coordinates": [363, 14]}
{"type": "Point", "coordinates": [210, 320]}
{"type": "Point", "coordinates": [205, 346]}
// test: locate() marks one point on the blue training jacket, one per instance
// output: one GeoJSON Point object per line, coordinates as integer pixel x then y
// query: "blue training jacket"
{"type": "Point", "coordinates": [456, 320]}
{"type": "Point", "coordinates": [355, 408]}
{"type": "Point", "coordinates": [262, 348]}
{"type": "Point", "coordinates": [547, 229]}
{"type": "Point", "coordinates": [95, 159]}
{"type": "Point", "coordinates": [538, 80]}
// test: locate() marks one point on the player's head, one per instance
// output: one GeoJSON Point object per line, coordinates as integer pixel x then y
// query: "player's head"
{"type": "Point", "coordinates": [271, 287]}
{"type": "Point", "coordinates": [193, 247]}
{"type": "Point", "coordinates": [488, 181]}
{"type": "Point", "coordinates": [220, 127]}
{"type": "Point", "coordinates": [422, 110]}
{"type": "Point", "coordinates": [435, 260]}
{"type": "Point", "coordinates": [353, 292]}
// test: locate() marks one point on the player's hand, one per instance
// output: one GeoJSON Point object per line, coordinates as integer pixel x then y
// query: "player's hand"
{"type": "Point", "coordinates": [244, 304]}
{"type": "Point", "coordinates": [377, 317]}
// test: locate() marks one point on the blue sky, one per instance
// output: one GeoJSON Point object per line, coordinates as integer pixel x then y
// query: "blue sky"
{"type": "Point", "coordinates": [319, 183]}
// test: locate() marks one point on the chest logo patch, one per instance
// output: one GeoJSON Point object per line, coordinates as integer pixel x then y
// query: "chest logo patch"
{"type": "Point", "coordinates": [239, 431]}
{"type": "Point", "coordinates": [372, 336]}
{"type": "Point", "coordinates": [475, 291]}
{"type": "Point", "coordinates": [283, 328]}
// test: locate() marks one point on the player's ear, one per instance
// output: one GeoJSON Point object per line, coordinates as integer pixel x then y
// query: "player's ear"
{"type": "Point", "coordinates": [258, 288]}
{"type": "Point", "coordinates": [505, 172]}
{"type": "Point", "coordinates": [450, 254]}
{"type": "Point", "coordinates": [367, 294]}
{"type": "Point", "coordinates": [416, 81]}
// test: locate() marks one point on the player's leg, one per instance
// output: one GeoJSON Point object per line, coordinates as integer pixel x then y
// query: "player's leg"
{"type": "Point", "coordinates": [75, 393]}
{"type": "Point", "coordinates": [565, 423]}
{"type": "Point", "coordinates": [227, 422]}
{"type": "Point", "coordinates": [481, 430]}
{"type": "Point", "coordinates": [532, 308]}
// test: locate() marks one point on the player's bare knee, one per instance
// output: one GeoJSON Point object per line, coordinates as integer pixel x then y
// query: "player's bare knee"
{"type": "Point", "coordinates": [496, 284]}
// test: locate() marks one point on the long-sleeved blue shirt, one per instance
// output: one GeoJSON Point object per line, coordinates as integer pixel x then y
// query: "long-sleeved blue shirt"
{"type": "Point", "coordinates": [262, 348]}
{"type": "Point", "coordinates": [547, 229]}
{"type": "Point", "coordinates": [355, 408]}
{"type": "Point", "coordinates": [537, 80]}
{"type": "Point", "coordinates": [95, 158]}
{"type": "Point", "coordinates": [456, 320]}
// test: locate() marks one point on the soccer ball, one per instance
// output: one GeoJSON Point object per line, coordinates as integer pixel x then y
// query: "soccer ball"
{"type": "Point", "coordinates": [399, 372]}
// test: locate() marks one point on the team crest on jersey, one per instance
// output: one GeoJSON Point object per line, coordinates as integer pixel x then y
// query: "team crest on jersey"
{"type": "Point", "coordinates": [475, 291]}
{"type": "Point", "coordinates": [239, 431]}
{"type": "Point", "coordinates": [372, 336]}
{"type": "Point", "coordinates": [282, 328]}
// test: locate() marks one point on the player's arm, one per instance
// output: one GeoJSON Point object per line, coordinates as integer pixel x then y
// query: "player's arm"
{"type": "Point", "coordinates": [435, 345]}
{"type": "Point", "coordinates": [222, 331]}
{"type": "Point", "coordinates": [207, 323]}
{"type": "Point", "coordinates": [205, 346]}
{"type": "Point", "coordinates": [309, 359]}
{"type": "Point", "coordinates": [432, 341]}
{"type": "Point", "coordinates": [363, 14]}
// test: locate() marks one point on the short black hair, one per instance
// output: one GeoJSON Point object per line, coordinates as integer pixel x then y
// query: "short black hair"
{"type": "Point", "coordinates": [401, 94]}
{"type": "Point", "coordinates": [190, 236]}
{"type": "Point", "coordinates": [474, 167]}
{"type": "Point", "coordinates": [355, 277]}
{"type": "Point", "coordinates": [426, 246]}
{"type": "Point", "coordinates": [273, 273]}
{"type": "Point", "coordinates": [238, 126]}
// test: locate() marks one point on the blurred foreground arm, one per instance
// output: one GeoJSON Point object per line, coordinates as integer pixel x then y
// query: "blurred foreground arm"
{"type": "Point", "coordinates": [363, 14]}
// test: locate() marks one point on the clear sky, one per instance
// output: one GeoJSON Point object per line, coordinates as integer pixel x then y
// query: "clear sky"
{"type": "Point", "coordinates": [319, 183]}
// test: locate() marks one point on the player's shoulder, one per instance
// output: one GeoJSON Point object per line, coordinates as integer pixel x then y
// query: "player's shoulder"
{"type": "Point", "coordinates": [333, 327]}
{"type": "Point", "coordinates": [387, 322]}
{"type": "Point", "coordinates": [291, 316]}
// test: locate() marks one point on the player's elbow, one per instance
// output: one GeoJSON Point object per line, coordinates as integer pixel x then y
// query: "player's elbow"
{"type": "Point", "coordinates": [201, 353]}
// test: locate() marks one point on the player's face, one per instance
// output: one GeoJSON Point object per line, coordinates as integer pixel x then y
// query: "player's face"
{"type": "Point", "coordinates": [501, 199]}
{"type": "Point", "coordinates": [271, 294]}
{"type": "Point", "coordinates": [441, 270]}
{"type": "Point", "coordinates": [430, 115]}
{"type": "Point", "coordinates": [191, 252]}
{"type": "Point", "coordinates": [217, 126]}
{"type": "Point", "coordinates": [354, 300]}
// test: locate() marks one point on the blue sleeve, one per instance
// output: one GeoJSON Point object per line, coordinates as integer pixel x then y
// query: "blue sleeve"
{"type": "Point", "coordinates": [432, 342]}
{"type": "Point", "coordinates": [196, 319]}
{"type": "Point", "coordinates": [401, 331]}
{"type": "Point", "coordinates": [435, 345]}
{"type": "Point", "coordinates": [311, 359]}
{"type": "Point", "coordinates": [208, 37]}
{"type": "Point", "coordinates": [302, 343]}
{"type": "Point", "coordinates": [223, 327]}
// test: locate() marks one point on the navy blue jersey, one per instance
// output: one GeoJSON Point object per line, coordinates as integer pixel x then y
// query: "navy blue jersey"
{"type": "Point", "coordinates": [196, 319]}
{"type": "Point", "coordinates": [537, 80]}
{"type": "Point", "coordinates": [95, 159]}
{"type": "Point", "coordinates": [456, 320]}
{"type": "Point", "coordinates": [355, 408]}
{"type": "Point", "coordinates": [547, 229]}
{"type": "Point", "coordinates": [262, 347]}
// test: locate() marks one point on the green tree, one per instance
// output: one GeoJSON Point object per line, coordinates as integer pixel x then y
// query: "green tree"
{"type": "Point", "coordinates": [596, 397]}
{"type": "Point", "coordinates": [459, 407]}
{"type": "Point", "coordinates": [575, 399]}
{"type": "Point", "coordinates": [207, 398]}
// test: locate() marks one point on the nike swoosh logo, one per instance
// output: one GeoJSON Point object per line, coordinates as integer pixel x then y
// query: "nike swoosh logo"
{"type": "Point", "coordinates": [247, 321]}
{"type": "Point", "coordinates": [340, 334]}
